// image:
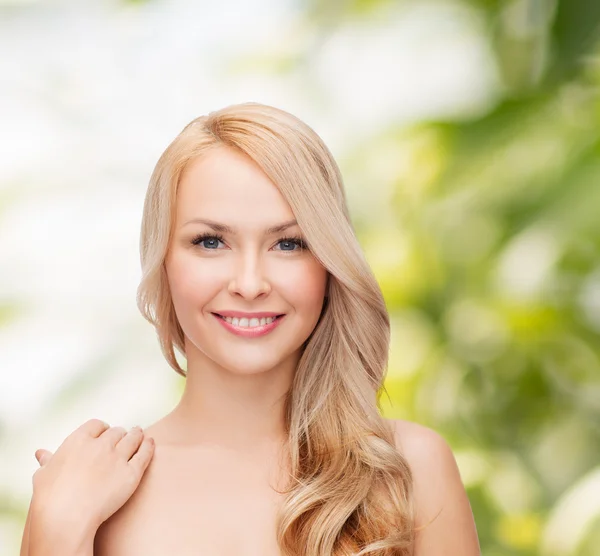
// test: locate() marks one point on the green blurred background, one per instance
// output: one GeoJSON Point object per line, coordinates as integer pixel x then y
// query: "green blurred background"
{"type": "Point", "coordinates": [480, 217]}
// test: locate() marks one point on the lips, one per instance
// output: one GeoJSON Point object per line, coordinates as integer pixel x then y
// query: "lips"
{"type": "Point", "coordinates": [251, 331]}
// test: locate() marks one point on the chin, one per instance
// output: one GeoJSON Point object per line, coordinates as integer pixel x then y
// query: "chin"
{"type": "Point", "coordinates": [247, 367]}
{"type": "Point", "coordinates": [241, 359]}
{"type": "Point", "coordinates": [255, 362]}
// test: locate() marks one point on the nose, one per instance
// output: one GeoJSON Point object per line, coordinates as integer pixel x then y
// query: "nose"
{"type": "Point", "coordinates": [248, 279]}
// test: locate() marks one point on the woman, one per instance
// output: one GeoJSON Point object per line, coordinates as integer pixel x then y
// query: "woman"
{"type": "Point", "coordinates": [253, 273]}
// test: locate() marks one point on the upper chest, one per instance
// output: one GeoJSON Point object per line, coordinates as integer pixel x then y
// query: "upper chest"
{"type": "Point", "coordinates": [195, 503]}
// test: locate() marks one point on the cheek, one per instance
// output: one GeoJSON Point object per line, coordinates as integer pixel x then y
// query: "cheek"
{"type": "Point", "coordinates": [305, 288]}
{"type": "Point", "coordinates": [189, 285]}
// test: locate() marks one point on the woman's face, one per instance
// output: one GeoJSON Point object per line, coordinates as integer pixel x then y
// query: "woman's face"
{"type": "Point", "coordinates": [246, 269]}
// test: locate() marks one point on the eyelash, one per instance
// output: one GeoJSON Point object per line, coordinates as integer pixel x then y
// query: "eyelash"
{"type": "Point", "coordinates": [212, 235]}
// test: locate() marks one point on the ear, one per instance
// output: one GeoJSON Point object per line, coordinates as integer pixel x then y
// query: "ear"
{"type": "Point", "coordinates": [43, 456]}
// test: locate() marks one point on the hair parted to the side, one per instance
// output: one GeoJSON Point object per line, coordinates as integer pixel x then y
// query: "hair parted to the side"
{"type": "Point", "coordinates": [351, 489]}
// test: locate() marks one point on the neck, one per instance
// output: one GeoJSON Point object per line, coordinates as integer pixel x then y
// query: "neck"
{"type": "Point", "coordinates": [232, 409]}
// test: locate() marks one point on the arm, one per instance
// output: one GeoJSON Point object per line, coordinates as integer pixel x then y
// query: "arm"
{"type": "Point", "coordinates": [444, 514]}
{"type": "Point", "coordinates": [52, 534]}
{"type": "Point", "coordinates": [42, 456]}
{"type": "Point", "coordinates": [25, 541]}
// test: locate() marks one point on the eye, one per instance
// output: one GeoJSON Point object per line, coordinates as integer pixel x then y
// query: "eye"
{"type": "Point", "coordinates": [211, 240]}
{"type": "Point", "coordinates": [292, 242]}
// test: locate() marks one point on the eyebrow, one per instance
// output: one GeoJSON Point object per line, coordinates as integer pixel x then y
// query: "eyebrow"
{"type": "Point", "coordinates": [225, 229]}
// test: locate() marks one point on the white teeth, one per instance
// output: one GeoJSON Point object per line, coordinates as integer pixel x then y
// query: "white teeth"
{"type": "Point", "coordinates": [245, 323]}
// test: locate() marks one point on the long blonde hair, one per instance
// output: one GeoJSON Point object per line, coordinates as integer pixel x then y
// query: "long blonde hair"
{"type": "Point", "coordinates": [351, 492]}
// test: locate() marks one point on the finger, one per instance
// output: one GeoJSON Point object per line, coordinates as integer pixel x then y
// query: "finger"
{"type": "Point", "coordinates": [93, 427]}
{"type": "Point", "coordinates": [130, 443]}
{"type": "Point", "coordinates": [113, 435]}
{"type": "Point", "coordinates": [142, 457]}
{"type": "Point", "coordinates": [43, 456]}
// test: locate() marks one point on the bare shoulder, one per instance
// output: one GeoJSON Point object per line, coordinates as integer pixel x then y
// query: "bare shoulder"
{"type": "Point", "coordinates": [425, 449]}
{"type": "Point", "coordinates": [442, 506]}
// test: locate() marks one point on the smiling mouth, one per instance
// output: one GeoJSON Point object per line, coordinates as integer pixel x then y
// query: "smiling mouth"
{"type": "Point", "coordinates": [252, 322]}
{"type": "Point", "coordinates": [250, 327]}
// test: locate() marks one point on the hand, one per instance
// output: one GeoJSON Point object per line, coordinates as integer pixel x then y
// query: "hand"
{"type": "Point", "coordinates": [92, 473]}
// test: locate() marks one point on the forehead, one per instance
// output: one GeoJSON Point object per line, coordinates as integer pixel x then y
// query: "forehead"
{"type": "Point", "coordinates": [226, 185]}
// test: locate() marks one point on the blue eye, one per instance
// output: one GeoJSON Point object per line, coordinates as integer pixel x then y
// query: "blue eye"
{"type": "Point", "coordinates": [214, 240]}
{"type": "Point", "coordinates": [293, 241]}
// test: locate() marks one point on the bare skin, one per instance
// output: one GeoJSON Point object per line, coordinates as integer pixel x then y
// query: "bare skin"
{"type": "Point", "coordinates": [199, 499]}
{"type": "Point", "coordinates": [223, 501]}
{"type": "Point", "coordinates": [220, 502]}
